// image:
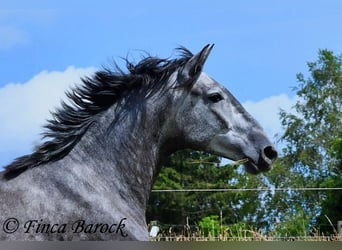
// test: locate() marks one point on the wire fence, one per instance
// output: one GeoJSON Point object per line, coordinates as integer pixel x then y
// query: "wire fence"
{"type": "Point", "coordinates": [247, 189]}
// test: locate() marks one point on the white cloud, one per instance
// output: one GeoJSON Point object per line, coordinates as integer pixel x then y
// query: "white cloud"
{"type": "Point", "coordinates": [266, 111]}
{"type": "Point", "coordinates": [24, 107]}
{"type": "Point", "coordinates": [11, 36]}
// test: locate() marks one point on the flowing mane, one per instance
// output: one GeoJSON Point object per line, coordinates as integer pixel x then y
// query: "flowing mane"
{"type": "Point", "coordinates": [95, 95]}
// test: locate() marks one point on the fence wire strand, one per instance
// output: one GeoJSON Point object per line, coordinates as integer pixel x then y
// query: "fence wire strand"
{"type": "Point", "coordinates": [247, 189]}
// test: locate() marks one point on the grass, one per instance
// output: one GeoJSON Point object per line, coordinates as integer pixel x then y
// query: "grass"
{"type": "Point", "coordinates": [245, 235]}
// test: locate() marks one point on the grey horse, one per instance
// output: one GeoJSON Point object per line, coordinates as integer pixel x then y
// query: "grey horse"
{"type": "Point", "coordinates": [92, 177]}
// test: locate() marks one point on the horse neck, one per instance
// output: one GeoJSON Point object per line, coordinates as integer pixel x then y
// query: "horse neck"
{"type": "Point", "coordinates": [124, 158]}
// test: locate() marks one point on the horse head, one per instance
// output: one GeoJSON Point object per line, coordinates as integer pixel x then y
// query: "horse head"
{"type": "Point", "coordinates": [209, 118]}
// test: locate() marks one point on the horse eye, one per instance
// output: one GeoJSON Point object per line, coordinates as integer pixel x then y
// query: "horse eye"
{"type": "Point", "coordinates": [215, 97]}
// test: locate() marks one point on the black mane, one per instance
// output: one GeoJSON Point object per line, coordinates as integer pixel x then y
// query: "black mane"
{"type": "Point", "coordinates": [95, 95]}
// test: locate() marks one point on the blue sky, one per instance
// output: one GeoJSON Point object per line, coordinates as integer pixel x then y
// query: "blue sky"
{"type": "Point", "coordinates": [259, 48]}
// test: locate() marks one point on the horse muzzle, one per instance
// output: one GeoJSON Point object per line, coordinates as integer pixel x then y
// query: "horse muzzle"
{"type": "Point", "coordinates": [266, 158]}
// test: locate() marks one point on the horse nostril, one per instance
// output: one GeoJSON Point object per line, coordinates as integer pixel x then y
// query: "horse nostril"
{"type": "Point", "coordinates": [267, 156]}
{"type": "Point", "coordinates": [270, 153]}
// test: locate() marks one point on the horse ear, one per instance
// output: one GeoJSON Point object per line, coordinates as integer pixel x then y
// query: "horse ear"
{"type": "Point", "coordinates": [193, 68]}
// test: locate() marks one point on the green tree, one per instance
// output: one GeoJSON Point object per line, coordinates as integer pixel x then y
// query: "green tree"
{"type": "Point", "coordinates": [313, 136]}
{"type": "Point", "coordinates": [198, 170]}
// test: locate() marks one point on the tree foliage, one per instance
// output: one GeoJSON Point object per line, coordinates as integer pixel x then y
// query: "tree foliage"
{"type": "Point", "coordinates": [197, 170]}
{"type": "Point", "coordinates": [313, 135]}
